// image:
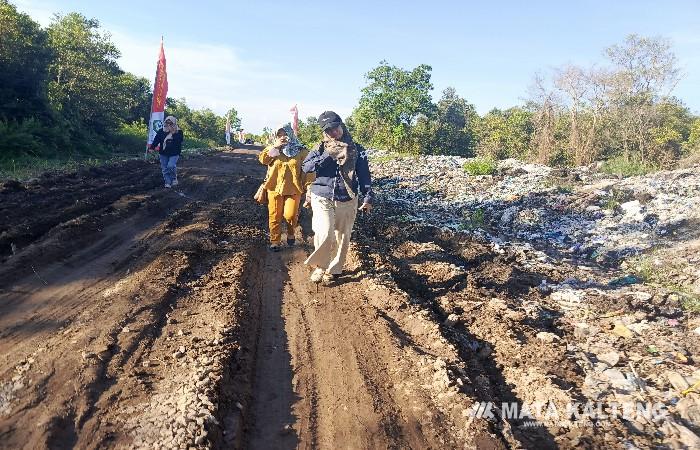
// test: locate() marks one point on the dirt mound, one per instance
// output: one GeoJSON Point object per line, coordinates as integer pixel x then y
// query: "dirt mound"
{"type": "Point", "coordinates": [533, 330]}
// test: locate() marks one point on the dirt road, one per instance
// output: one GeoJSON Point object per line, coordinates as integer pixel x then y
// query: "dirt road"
{"type": "Point", "coordinates": [131, 314]}
{"type": "Point", "coordinates": [135, 316]}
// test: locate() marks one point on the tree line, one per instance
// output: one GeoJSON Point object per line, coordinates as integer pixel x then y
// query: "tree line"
{"type": "Point", "coordinates": [62, 92]}
{"type": "Point", "coordinates": [623, 113]}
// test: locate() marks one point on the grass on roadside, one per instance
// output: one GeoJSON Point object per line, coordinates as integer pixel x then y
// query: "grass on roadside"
{"type": "Point", "coordinates": [126, 143]}
{"type": "Point", "coordinates": [131, 138]}
{"type": "Point", "coordinates": [27, 167]}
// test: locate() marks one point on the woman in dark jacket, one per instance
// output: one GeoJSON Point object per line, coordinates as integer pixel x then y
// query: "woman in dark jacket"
{"type": "Point", "coordinates": [169, 139]}
{"type": "Point", "coordinates": [342, 172]}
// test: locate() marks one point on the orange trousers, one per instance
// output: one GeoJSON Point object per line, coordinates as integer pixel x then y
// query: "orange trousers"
{"type": "Point", "coordinates": [282, 207]}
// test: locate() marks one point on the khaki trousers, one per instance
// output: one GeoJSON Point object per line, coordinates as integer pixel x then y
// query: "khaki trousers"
{"type": "Point", "coordinates": [282, 207]}
{"type": "Point", "coordinates": [332, 224]}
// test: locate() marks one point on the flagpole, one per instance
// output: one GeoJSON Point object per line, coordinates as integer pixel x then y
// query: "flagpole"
{"type": "Point", "coordinates": [150, 110]}
{"type": "Point", "coordinates": [295, 119]}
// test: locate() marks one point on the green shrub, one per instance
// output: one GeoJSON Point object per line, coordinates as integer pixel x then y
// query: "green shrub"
{"type": "Point", "coordinates": [131, 138]}
{"type": "Point", "coordinates": [190, 143]}
{"type": "Point", "coordinates": [565, 188]}
{"type": "Point", "coordinates": [560, 186]}
{"type": "Point", "coordinates": [626, 167]}
{"type": "Point", "coordinates": [645, 269]}
{"type": "Point", "coordinates": [615, 199]}
{"type": "Point", "coordinates": [18, 138]}
{"type": "Point", "coordinates": [480, 166]}
{"type": "Point", "coordinates": [610, 204]}
{"type": "Point", "coordinates": [690, 302]}
{"type": "Point", "coordinates": [383, 158]}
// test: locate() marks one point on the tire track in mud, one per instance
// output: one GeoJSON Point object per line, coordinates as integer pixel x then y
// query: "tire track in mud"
{"type": "Point", "coordinates": [125, 312]}
{"type": "Point", "coordinates": [213, 290]}
{"type": "Point", "coordinates": [307, 382]}
{"type": "Point", "coordinates": [331, 373]}
{"type": "Point", "coordinates": [66, 197]}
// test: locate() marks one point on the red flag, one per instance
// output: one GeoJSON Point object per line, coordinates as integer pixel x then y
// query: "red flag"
{"type": "Point", "coordinates": [160, 93]}
{"type": "Point", "coordinates": [295, 119]}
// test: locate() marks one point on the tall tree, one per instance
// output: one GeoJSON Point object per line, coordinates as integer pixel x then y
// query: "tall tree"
{"type": "Point", "coordinates": [24, 62]}
{"type": "Point", "coordinates": [85, 79]}
{"type": "Point", "coordinates": [504, 134]}
{"type": "Point", "coordinates": [205, 124]}
{"type": "Point", "coordinates": [692, 144]}
{"type": "Point", "coordinates": [622, 110]}
{"type": "Point", "coordinates": [452, 127]}
{"type": "Point", "coordinates": [391, 103]}
{"type": "Point", "coordinates": [136, 94]}
{"type": "Point", "coordinates": [645, 72]}
{"type": "Point", "coordinates": [178, 107]}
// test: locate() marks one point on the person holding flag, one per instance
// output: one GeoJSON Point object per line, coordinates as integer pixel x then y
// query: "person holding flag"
{"type": "Point", "coordinates": [169, 142]}
{"type": "Point", "coordinates": [295, 119]}
{"type": "Point", "coordinates": [160, 93]}
{"type": "Point", "coordinates": [166, 137]}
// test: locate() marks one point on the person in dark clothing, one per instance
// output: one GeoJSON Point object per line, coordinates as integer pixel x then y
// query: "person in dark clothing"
{"type": "Point", "coordinates": [342, 172]}
{"type": "Point", "coordinates": [169, 144]}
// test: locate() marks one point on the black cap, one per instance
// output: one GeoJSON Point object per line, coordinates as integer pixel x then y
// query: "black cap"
{"type": "Point", "coordinates": [329, 119]}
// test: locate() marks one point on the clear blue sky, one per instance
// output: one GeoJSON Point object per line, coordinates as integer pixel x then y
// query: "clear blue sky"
{"type": "Point", "coordinates": [261, 57]}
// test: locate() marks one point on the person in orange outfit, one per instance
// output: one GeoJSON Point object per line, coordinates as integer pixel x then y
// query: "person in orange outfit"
{"type": "Point", "coordinates": [286, 184]}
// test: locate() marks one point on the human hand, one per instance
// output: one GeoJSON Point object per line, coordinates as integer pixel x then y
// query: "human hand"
{"type": "Point", "coordinates": [367, 207]}
{"type": "Point", "coordinates": [307, 201]}
{"type": "Point", "coordinates": [274, 152]}
{"type": "Point", "coordinates": [280, 142]}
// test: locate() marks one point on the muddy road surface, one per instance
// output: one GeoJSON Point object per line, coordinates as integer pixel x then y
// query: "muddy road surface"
{"type": "Point", "coordinates": [133, 316]}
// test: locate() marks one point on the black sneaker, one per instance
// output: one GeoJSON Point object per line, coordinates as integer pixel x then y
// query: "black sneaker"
{"type": "Point", "coordinates": [274, 247]}
{"type": "Point", "coordinates": [291, 242]}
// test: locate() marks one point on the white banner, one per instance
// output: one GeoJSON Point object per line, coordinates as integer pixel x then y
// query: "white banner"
{"type": "Point", "coordinates": [155, 125]}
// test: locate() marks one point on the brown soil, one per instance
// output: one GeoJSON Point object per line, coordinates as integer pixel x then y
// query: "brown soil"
{"type": "Point", "coordinates": [131, 316]}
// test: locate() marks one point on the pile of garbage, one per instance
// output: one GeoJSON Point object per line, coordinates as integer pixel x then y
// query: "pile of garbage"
{"type": "Point", "coordinates": [628, 250]}
{"type": "Point", "coordinates": [579, 212]}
